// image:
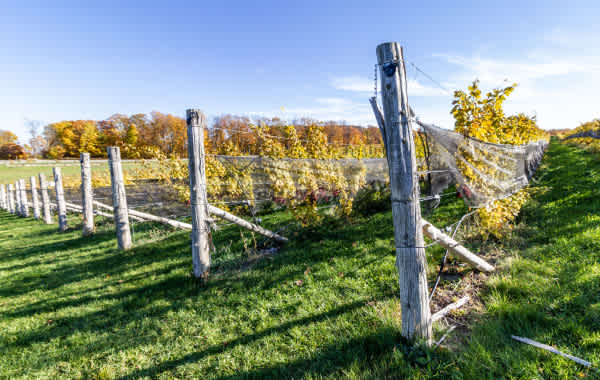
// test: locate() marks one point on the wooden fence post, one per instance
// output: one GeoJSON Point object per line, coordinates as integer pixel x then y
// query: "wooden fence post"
{"type": "Point", "coordinates": [404, 184]}
{"type": "Point", "coordinates": [201, 237]}
{"type": "Point", "coordinates": [45, 199]}
{"type": "Point", "coordinates": [11, 198]}
{"type": "Point", "coordinates": [35, 202]}
{"type": "Point", "coordinates": [119, 198]}
{"type": "Point", "coordinates": [61, 207]}
{"type": "Point", "coordinates": [24, 198]}
{"type": "Point", "coordinates": [3, 198]}
{"type": "Point", "coordinates": [18, 205]}
{"type": "Point", "coordinates": [87, 195]}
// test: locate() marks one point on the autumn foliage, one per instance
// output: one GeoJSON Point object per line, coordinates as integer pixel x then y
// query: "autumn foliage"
{"type": "Point", "coordinates": [483, 117]}
{"type": "Point", "coordinates": [141, 136]}
{"type": "Point", "coordinates": [589, 143]}
{"type": "Point", "coordinates": [9, 149]}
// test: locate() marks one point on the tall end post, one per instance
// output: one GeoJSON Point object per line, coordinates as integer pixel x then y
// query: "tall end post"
{"type": "Point", "coordinates": [404, 184]}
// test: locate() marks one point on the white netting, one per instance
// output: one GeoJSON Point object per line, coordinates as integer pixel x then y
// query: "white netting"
{"type": "Point", "coordinates": [483, 171]}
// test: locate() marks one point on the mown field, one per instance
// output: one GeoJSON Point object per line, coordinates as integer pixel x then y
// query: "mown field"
{"type": "Point", "coordinates": [324, 306]}
{"type": "Point", "coordinates": [24, 170]}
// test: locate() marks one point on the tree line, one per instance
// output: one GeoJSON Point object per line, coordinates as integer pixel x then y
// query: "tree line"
{"type": "Point", "coordinates": [145, 135]}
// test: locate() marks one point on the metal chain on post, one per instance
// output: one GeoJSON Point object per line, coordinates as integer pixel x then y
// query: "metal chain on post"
{"type": "Point", "coordinates": [375, 81]}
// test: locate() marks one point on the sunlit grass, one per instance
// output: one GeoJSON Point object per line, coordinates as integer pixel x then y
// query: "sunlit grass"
{"type": "Point", "coordinates": [325, 306]}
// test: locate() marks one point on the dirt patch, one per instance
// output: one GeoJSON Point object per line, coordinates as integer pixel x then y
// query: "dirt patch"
{"type": "Point", "coordinates": [459, 281]}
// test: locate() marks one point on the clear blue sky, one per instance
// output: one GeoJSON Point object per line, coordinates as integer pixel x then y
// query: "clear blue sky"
{"type": "Point", "coordinates": [290, 59]}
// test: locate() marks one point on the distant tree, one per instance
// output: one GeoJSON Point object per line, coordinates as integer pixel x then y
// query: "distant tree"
{"type": "Point", "coordinates": [12, 151]}
{"type": "Point", "coordinates": [7, 137]}
{"type": "Point", "coordinates": [132, 135]}
{"type": "Point", "coordinates": [89, 141]}
{"type": "Point", "coordinates": [69, 138]}
{"type": "Point", "coordinates": [37, 144]}
{"type": "Point", "coordinates": [169, 133]}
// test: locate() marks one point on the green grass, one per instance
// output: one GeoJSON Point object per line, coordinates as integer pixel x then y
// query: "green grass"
{"type": "Point", "coordinates": [13, 173]}
{"type": "Point", "coordinates": [325, 307]}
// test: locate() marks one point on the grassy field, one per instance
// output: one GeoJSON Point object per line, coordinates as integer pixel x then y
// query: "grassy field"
{"type": "Point", "coordinates": [325, 306]}
{"type": "Point", "coordinates": [14, 172]}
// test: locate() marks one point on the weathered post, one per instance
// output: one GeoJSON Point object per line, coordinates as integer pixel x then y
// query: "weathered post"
{"type": "Point", "coordinates": [119, 198]}
{"type": "Point", "coordinates": [86, 195]}
{"type": "Point", "coordinates": [35, 202]}
{"type": "Point", "coordinates": [24, 201]}
{"type": "Point", "coordinates": [11, 198]}
{"type": "Point", "coordinates": [61, 207]}
{"type": "Point", "coordinates": [45, 199]}
{"type": "Point", "coordinates": [406, 212]}
{"type": "Point", "coordinates": [201, 238]}
{"type": "Point", "coordinates": [18, 205]}
{"type": "Point", "coordinates": [3, 199]}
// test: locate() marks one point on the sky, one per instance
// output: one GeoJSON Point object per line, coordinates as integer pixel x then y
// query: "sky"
{"type": "Point", "coordinates": [291, 59]}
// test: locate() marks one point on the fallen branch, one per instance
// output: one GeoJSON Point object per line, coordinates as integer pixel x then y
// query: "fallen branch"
{"type": "Point", "coordinates": [455, 248]}
{"type": "Point", "coordinates": [243, 223]}
{"type": "Point", "coordinates": [551, 349]}
{"type": "Point", "coordinates": [453, 306]}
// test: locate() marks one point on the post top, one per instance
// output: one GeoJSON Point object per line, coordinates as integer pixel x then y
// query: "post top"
{"type": "Point", "coordinates": [114, 153]}
{"type": "Point", "coordinates": [389, 52]}
{"type": "Point", "coordinates": [195, 117]}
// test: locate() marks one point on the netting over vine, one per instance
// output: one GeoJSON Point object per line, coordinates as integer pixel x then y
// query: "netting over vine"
{"type": "Point", "coordinates": [483, 171]}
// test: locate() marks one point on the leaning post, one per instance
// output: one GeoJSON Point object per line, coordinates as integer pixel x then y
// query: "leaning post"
{"type": "Point", "coordinates": [86, 195]}
{"type": "Point", "coordinates": [404, 185]}
{"type": "Point", "coordinates": [119, 198]}
{"type": "Point", "coordinates": [60, 200]}
{"type": "Point", "coordinates": [201, 238]}
{"type": "Point", "coordinates": [35, 201]}
{"type": "Point", "coordinates": [45, 199]}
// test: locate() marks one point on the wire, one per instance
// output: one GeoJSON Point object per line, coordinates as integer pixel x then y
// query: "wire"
{"type": "Point", "coordinates": [431, 79]}
{"type": "Point", "coordinates": [445, 257]}
{"type": "Point", "coordinates": [437, 196]}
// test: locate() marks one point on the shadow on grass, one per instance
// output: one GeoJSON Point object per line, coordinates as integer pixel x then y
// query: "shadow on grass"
{"type": "Point", "coordinates": [385, 339]}
{"type": "Point", "coordinates": [126, 306]}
